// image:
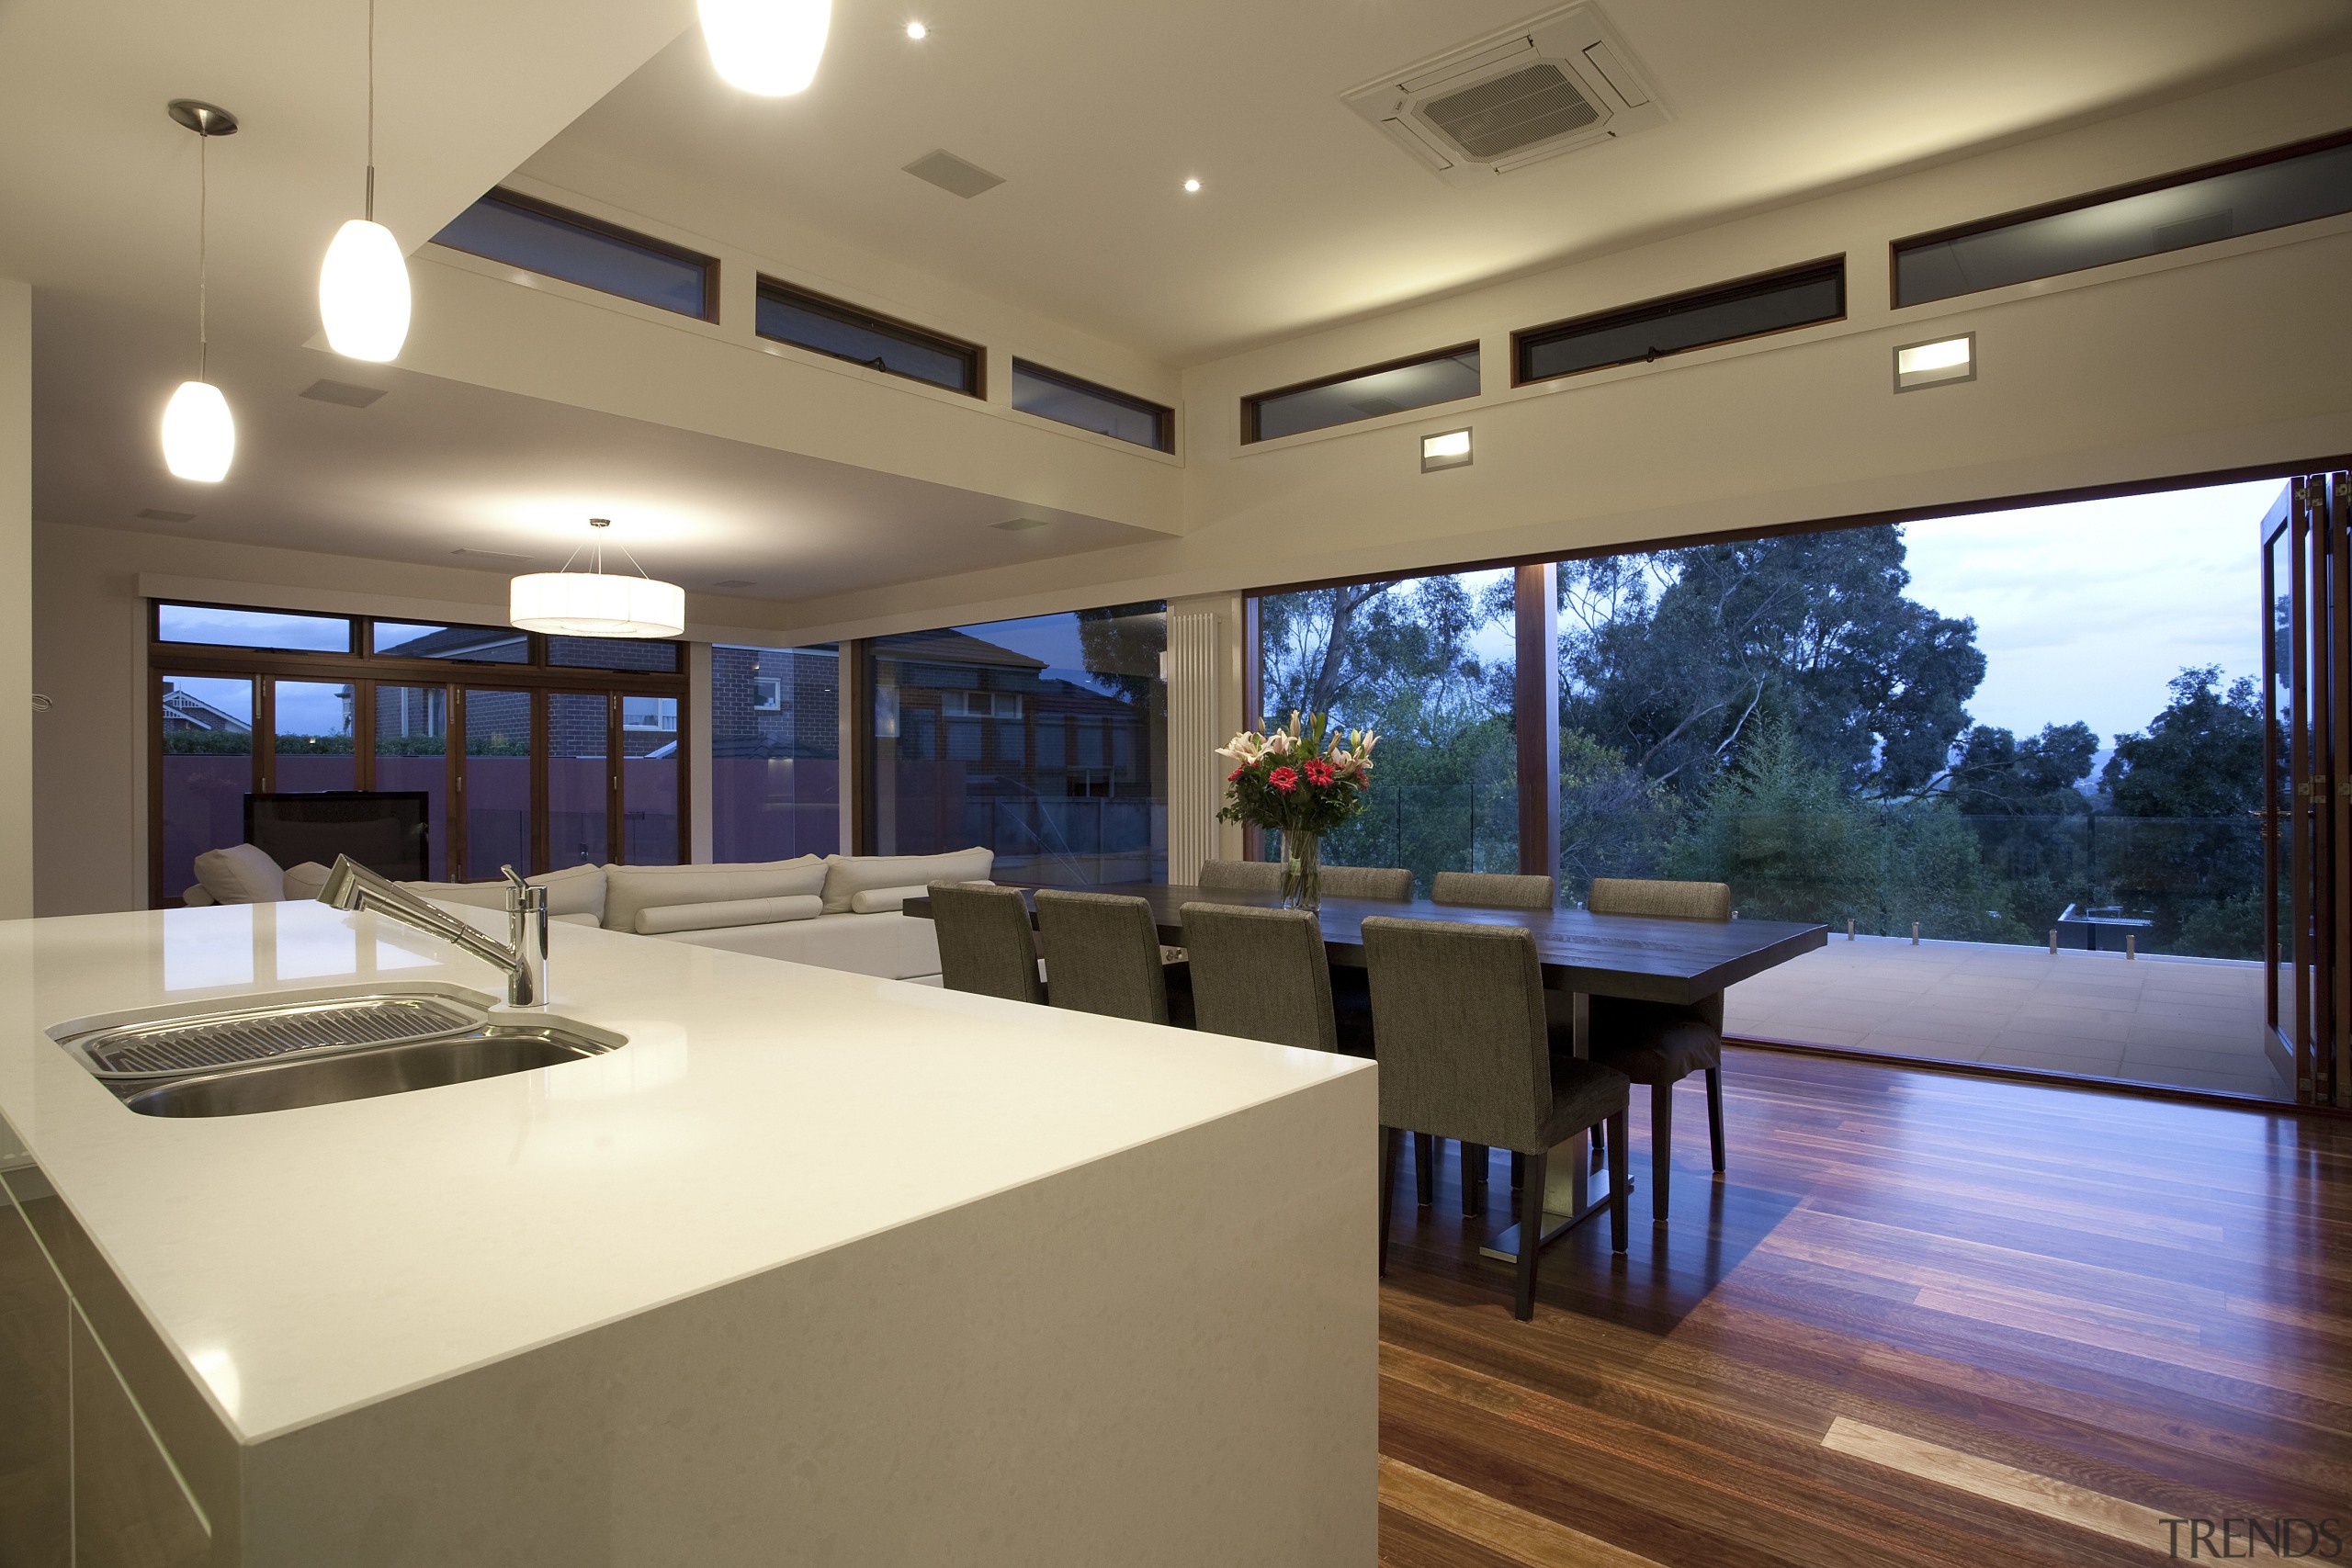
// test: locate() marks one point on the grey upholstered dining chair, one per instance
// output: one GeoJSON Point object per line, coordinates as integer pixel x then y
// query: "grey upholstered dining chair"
{"type": "Point", "coordinates": [1241, 875]}
{"type": "Point", "coordinates": [1486, 890]}
{"type": "Point", "coordinates": [1659, 1043]}
{"type": "Point", "coordinates": [1103, 955]}
{"type": "Point", "coordinates": [1464, 1054]}
{"type": "Point", "coordinates": [1261, 974]}
{"type": "Point", "coordinates": [1392, 884]}
{"type": "Point", "coordinates": [1494, 890]}
{"type": "Point", "coordinates": [985, 944]}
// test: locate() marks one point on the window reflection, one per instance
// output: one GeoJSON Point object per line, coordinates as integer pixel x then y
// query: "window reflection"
{"type": "Point", "coordinates": [1037, 738]}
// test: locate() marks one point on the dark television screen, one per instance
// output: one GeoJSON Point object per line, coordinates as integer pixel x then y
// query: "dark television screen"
{"type": "Point", "coordinates": [385, 830]}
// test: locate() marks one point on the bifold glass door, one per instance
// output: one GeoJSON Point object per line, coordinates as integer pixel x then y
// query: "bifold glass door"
{"type": "Point", "coordinates": [2307, 583]}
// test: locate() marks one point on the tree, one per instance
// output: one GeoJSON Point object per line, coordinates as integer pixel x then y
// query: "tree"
{"type": "Point", "coordinates": [2190, 790]}
{"type": "Point", "coordinates": [1613, 822]}
{"type": "Point", "coordinates": [1122, 645]}
{"type": "Point", "coordinates": [1673, 659]}
{"type": "Point", "coordinates": [2023, 799]}
{"type": "Point", "coordinates": [1396, 657]}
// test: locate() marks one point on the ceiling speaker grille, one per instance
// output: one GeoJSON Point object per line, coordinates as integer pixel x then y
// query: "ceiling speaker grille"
{"type": "Point", "coordinates": [953, 175]}
{"type": "Point", "coordinates": [341, 392]}
{"type": "Point", "coordinates": [1498, 117]}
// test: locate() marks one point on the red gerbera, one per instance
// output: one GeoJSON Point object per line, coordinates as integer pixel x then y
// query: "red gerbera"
{"type": "Point", "coordinates": [1283, 779]}
{"type": "Point", "coordinates": [1319, 772]}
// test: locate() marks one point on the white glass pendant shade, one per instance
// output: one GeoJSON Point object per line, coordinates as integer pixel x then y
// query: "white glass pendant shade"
{"type": "Point", "coordinates": [362, 292]}
{"type": "Point", "coordinates": [199, 438]}
{"type": "Point", "coordinates": [768, 47]}
{"type": "Point", "coordinates": [596, 603]}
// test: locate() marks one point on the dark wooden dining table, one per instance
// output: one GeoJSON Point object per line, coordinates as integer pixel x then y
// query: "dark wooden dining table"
{"type": "Point", "coordinates": [1583, 955]}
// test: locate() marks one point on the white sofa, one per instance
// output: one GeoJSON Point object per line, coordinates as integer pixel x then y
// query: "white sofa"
{"type": "Point", "coordinates": [838, 912]}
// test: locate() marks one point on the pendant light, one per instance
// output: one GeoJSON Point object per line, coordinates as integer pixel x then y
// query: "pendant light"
{"type": "Point", "coordinates": [199, 436]}
{"type": "Point", "coordinates": [768, 47]}
{"type": "Point", "coordinates": [363, 285]}
{"type": "Point", "coordinates": [597, 602]}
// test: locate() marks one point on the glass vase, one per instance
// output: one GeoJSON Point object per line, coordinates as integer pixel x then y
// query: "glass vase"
{"type": "Point", "coordinates": [1302, 871]}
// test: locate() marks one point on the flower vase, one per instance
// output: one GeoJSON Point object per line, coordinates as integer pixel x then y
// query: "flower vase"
{"type": "Point", "coordinates": [1302, 871]}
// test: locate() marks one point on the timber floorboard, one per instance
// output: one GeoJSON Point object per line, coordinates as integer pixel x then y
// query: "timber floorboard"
{"type": "Point", "coordinates": [1924, 1319]}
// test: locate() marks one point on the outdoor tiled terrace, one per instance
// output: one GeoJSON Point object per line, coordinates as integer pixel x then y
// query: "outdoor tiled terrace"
{"type": "Point", "coordinates": [2188, 1022]}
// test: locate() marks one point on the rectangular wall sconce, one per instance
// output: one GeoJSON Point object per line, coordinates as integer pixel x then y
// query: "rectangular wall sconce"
{"type": "Point", "coordinates": [1450, 450]}
{"type": "Point", "coordinates": [1933, 364]}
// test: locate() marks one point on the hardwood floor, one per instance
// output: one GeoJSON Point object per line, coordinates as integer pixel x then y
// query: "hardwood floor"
{"type": "Point", "coordinates": [1924, 1319]}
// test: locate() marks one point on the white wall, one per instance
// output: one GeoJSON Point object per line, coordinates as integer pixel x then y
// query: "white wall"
{"type": "Point", "coordinates": [16, 599]}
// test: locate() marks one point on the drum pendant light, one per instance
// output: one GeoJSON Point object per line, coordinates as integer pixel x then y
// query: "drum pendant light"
{"type": "Point", "coordinates": [768, 47]}
{"type": "Point", "coordinates": [363, 285]}
{"type": "Point", "coordinates": [595, 602]}
{"type": "Point", "coordinates": [199, 436]}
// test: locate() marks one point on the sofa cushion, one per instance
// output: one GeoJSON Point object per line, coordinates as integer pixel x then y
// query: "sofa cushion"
{"type": "Point", "coordinates": [662, 918]}
{"type": "Point", "coordinates": [882, 900]}
{"type": "Point", "coordinates": [481, 894]}
{"type": "Point", "coordinates": [575, 890]}
{"type": "Point", "coordinates": [848, 876]}
{"type": "Point", "coordinates": [628, 888]}
{"type": "Point", "coordinates": [305, 881]}
{"type": "Point", "coordinates": [240, 874]}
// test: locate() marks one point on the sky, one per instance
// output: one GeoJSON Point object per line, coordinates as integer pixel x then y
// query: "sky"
{"type": "Point", "coordinates": [2085, 611]}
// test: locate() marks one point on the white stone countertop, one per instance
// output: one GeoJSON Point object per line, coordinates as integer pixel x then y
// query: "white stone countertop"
{"type": "Point", "coordinates": [306, 1262]}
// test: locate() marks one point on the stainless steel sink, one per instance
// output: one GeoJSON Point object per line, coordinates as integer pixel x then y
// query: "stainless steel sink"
{"type": "Point", "coordinates": [490, 1052]}
{"type": "Point", "coordinates": [316, 1048]}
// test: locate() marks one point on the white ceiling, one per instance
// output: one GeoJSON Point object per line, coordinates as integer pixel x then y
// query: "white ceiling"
{"type": "Point", "coordinates": [437, 466]}
{"type": "Point", "coordinates": [1095, 114]}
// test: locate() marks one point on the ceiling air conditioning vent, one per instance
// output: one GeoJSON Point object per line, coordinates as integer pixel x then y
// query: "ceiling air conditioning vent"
{"type": "Point", "coordinates": [1551, 86]}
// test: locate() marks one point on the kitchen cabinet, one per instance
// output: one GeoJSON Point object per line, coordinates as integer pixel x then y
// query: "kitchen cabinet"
{"type": "Point", "coordinates": [36, 1439]}
{"type": "Point", "coordinates": [84, 1480]}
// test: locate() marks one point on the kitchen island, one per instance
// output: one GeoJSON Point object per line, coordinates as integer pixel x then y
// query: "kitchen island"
{"type": "Point", "coordinates": [817, 1268]}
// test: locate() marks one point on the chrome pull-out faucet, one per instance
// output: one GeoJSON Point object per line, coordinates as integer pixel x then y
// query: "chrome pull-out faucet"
{"type": "Point", "coordinates": [351, 886]}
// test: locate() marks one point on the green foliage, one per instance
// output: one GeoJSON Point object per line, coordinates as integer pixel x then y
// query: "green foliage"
{"type": "Point", "coordinates": [2227, 928]}
{"type": "Point", "coordinates": [1795, 845]}
{"type": "Point", "coordinates": [315, 745]}
{"type": "Point", "coordinates": [2192, 781]}
{"type": "Point", "coordinates": [1613, 821]}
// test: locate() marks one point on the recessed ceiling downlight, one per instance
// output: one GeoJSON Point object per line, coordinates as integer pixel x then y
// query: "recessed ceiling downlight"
{"type": "Point", "coordinates": [917, 31]}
